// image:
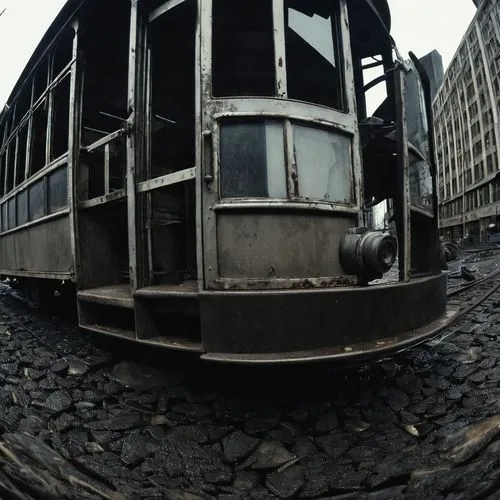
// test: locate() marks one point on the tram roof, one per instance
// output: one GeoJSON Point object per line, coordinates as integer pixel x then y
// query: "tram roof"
{"type": "Point", "coordinates": [381, 7]}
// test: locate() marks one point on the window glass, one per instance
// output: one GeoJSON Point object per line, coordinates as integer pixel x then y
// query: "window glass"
{"type": "Point", "coordinates": [312, 52]}
{"type": "Point", "coordinates": [243, 48]}
{"type": "Point", "coordinates": [36, 199]}
{"type": "Point", "coordinates": [12, 212]}
{"type": "Point", "coordinates": [5, 219]}
{"type": "Point", "coordinates": [58, 190]}
{"type": "Point", "coordinates": [22, 208]}
{"type": "Point", "coordinates": [420, 179]}
{"type": "Point", "coordinates": [323, 160]}
{"type": "Point", "coordinates": [252, 160]}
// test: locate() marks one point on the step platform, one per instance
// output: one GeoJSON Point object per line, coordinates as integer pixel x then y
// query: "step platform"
{"type": "Point", "coordinates": [163, 315]}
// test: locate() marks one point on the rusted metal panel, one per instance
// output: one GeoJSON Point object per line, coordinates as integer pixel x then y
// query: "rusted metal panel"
{"type": "Point", "coordinates": [285, 283]}
{"type": "Point", "coordinates": [40, 248]}
{"type": "Point", "coordinates": [308, 320]}
{"type": "Point", "coordinates": [352, 353]}
{"type": "Point", "coordinates": [277, 205]}
{"type": "Point", "coordinates": [284, 245]}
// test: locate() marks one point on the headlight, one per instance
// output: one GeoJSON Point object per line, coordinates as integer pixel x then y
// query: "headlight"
{"type": "Point", "coordinates": [367, 254]}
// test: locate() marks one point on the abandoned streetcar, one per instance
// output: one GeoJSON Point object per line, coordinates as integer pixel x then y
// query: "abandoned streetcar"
{"type": "Point", "coordinates": [202, 172]}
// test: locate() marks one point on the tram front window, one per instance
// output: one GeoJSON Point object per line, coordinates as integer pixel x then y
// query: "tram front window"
{"type": "Point", "coordinates": [254, 160]}
{"type": "Point", "coordinates": [323, 164]}
{"type": "Point", "coordinates": [243, 48]}
{"type": "Point", "coordinates": [312, 52]}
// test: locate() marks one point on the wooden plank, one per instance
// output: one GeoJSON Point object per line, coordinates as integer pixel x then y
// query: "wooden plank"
{"type": "Point", "coordinates": [104, 140]}
{"type": "Point", "coordinates": [167, 180]}
{"type": "Point", "coordinates": [101, 200]}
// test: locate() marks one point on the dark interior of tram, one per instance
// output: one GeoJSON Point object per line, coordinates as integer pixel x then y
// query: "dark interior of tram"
{"type": "Point", "coordinates": [168, 214]}
{"type": "Point", "coordinates": [171, 40]}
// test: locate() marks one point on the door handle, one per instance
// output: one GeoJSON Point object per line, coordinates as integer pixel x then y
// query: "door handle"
{"type": "Point", "coordinates": [208, 163]}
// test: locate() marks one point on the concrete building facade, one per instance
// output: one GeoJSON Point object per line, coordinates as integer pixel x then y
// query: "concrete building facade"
{"type": "Point", "coordinates": [466, 118]}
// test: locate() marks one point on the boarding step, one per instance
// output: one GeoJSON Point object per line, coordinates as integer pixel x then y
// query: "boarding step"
{"type": "Point", "coordinates": [186, 290]}
{"type": "Point", "coordinates": [112, 295]}
{"type": "Point", "coordinates": [108, 310]}
{"type": "Point", "coordinates": [168, 315]}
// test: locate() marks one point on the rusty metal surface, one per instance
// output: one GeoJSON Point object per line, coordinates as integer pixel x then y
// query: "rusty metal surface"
{"type": "Point", "coordinates": [260, 322]}
{"type": "Point", "coordinates": [264, 246]}
{"type": "Point", "coordinates": [349, 353]}
{"type": "Point", "coordinates": [40, 248]}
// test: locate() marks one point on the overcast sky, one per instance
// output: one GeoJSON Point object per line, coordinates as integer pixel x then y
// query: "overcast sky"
{"type": "Point", "coordinates": [417, 25]}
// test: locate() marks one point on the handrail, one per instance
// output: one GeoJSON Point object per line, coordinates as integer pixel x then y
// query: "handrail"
{"type": "Point", "coordinates": [104, 140]}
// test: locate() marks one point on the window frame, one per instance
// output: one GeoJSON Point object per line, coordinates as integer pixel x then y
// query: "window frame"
{"type": "Point", "coordinates": [343, 121]}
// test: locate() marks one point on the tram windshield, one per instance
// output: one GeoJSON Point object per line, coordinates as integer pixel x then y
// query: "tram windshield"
{"type": "Point", "coordinates": [246, 37]}
{"type": "Point", "coordinates": [312, 52]}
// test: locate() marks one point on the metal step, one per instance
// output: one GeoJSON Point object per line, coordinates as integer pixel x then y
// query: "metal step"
{"type": "Point", "coordinates": [112, 295]}
{"type": "Point", "coordinates": [186, 290]}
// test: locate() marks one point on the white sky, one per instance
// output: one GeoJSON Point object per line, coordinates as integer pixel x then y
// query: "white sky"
{"type": "Point", "coordinates": [417, 25]}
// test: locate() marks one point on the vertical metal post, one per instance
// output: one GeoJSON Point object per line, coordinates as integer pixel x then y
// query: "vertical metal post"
{"type": "Point", "coordinates": [403, 184]}
{"type": "Point", "coordinates": [29, 138]}
{"type": "Point", "coordinates": [134, 146]}
{"type": "Point", "coordinates": [279, 48]}
{"type": "Point", "coordinates": [74, 138]}
{"type": "Point", "coordinates": [149, 174]}
{"type": "Point", "coordinates": [351, 103]}
{"type": "Point", "coordinates": [106, 168]}
{"type": "Point", "coordinates": [50, 111]}
{"type": "Point", "coordinates": [16, 159]}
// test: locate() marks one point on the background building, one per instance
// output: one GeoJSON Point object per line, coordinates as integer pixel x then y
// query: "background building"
{"type": "Point", "coordinates": [433, 64]}
{"type": "Point", "coordinates": [467, 131]}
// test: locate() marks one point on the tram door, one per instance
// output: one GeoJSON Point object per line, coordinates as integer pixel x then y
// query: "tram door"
{"type": "Point", "coordinates": [168, 189]}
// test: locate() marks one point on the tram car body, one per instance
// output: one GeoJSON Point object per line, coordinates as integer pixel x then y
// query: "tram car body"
{"type": "Point", "coordinates": [201, 171]}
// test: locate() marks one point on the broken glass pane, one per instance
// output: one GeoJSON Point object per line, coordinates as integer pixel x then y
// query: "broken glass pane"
{"type": "Point", "coordinates": [315, 30]}
{"type": "Point", "coordinates": [312, 53]}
